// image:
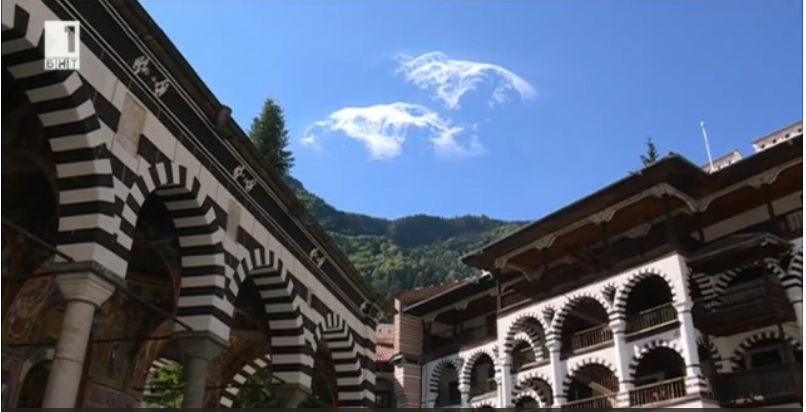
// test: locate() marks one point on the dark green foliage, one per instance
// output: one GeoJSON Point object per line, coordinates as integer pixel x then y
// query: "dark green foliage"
{"type": "Point", "coordinates": [256, 393]}
{"type": "Point", "coordinates": [411, 252]}
{"type": "Point", "coordinates": [320, 397]}
{"type": "Point", "coordinates": [651, 155]}
{"type": "Point", "coordinates": [270, 137]}
{"type": "Point", "coordinates": [165, 387]}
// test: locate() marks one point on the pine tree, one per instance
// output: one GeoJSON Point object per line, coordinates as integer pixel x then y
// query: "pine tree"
{"type": "Point", "coordinates": [651, 155]}
{"type": "Point", "coordinates": [270, 137]}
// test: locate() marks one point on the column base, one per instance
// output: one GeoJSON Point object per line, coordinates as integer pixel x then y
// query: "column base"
{"type": "Point", "coordinates": [290, 394]}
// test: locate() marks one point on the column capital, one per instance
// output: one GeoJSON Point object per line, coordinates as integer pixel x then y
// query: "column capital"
{"type": "Point", "coordinates": [618, 326]}
{"type": "Point", "coordinates": [684, 306]}
{"type": "Point", "coordinates": [85, 286]}
{"type": "Point", "coordinates": [554, 345]}
{"type": "Point", "coordinates": [199, 344]}
{"type": "Point", "coordinates": [464, 388]}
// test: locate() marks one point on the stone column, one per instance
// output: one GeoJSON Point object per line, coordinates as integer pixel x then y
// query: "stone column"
{"type": "Point", "coordinates": [84, 292]}
{"type": "Point", "coordinates": [464, 392]}
{"type": "Point", "coordinates": [688, 338]}
{"type": "Point", "coordinates": [557, 372]}
{"type": "Point", "coordinates": [199, 349]}
{"type": "Point", "coordinates": [505, 384]}
{"type": "Point", "coordinates": [619, 327]}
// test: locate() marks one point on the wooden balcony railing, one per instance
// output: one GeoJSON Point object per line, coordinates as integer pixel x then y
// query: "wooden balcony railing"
{"type": "Point", "coordinates": [652, 318]}
{"type": "Point", "coordinates": [757, 303]}
{"type": "Point", "coordinates": [512, 299]}
{"type": "Point", "coordinates": [760, 386]}
{"type": "Point", "coordinates": [596, 402]}
{"type": "Point", "coordinates": [586, 338]}
{"type": "Point", "coordinates": [658, 392]}
{"type": "Point", "coordinates": [483, 388]}
{"type": "Point", "coordinates": [436, 346]}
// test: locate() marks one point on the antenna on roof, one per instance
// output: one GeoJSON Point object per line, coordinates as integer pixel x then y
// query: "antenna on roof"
{"type": "Point", "coordinates": [707, 146]}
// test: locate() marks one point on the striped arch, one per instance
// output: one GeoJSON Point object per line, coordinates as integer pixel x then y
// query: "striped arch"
{"type": "Point", "coordinates": [522, 329]}
{"type": "Point", "coordinates": [623, 293]}
{"type": "Point", "coordinates": [470, 361]}
{"type": "Point", "coordinates": [524, 387]}
{"type": "Point", "coordinates": [343, 348]}
{"type": "Point", "coordinates": [533, 393]}
{"type": "Point", "coordinates": [292, 359]}
{"type": "Point", "coordinates": [200, 241]}
{"type": "Point", "coordinates": [723, 280]}
{"type": "Point", "coordinates": [484, 403]}
{"type": "Point", "coordinates": [433, 381]}
{"type": "Point", "coordinates": [568, 306]}
{"type": "Point", "coordinates": [648, 347]}
{"type": "Point", "coordinates": [591, 360]}
{"type": "Point", "coordinates": [63, 101]}
{"type": "Point", "coordinates": [793, 276]}
{"type": "Point", "coordinates": [713, 351]}
{"type": "Point", "coordinates": [230, 392]}
{"type": "Point", "coordinates": [703, 283]}
{"type": "Point", "coordinates": [738, 354]}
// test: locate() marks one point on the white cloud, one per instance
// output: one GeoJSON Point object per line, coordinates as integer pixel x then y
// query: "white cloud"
{"type": "Point", "coordinates": [449, 80]}
{"type": "Point", "coordinates": [383, 128]}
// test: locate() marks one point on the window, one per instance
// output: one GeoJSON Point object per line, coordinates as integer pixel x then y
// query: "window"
{"type": "Point", "coordinates": [765, 356]}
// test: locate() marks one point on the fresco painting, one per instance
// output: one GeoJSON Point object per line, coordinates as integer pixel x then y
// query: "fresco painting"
{"type": "Point", "coordinates": [22, 315]}
{"type": "Point", "coordinates": [98, 396]}
{"type": "Point", "coordinates": [10, 373]}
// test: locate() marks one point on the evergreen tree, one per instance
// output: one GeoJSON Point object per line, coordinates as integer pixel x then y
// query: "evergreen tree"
{"type": "Point", "coordinates": [651, 155]}
{"type": "Point", "coordinates": [165, 387]}
{"type": "Point", "coordinates": [270, 137]}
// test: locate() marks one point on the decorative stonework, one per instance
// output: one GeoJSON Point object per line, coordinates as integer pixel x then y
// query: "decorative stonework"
{"type": "Point", "coordinates": [317, 257]}
{"type": "Point", "coordinates": [241, 176]}
{"type": "Point", "coordinates": [142, 67]}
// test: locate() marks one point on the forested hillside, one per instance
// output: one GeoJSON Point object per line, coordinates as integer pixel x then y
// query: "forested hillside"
{"type": "Point", "coordinates": [407, 253]}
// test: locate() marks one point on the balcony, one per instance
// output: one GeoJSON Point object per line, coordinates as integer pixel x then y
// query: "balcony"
{"type": "Point", "coordinates": [483, 388]}
{"type": "Point", "coordinates": [596, 402]}
{"type": "Point", "coordinates": [754, 304]}
{"type": "Point", "coordinates": [759, 387]}
{"type": "Point", "coordinates": [651, 320]}
{"type": "Point", "coordinates": [658, 392]}
{"type": "Point", "coordinates": [437, 346]}
{"type": "Point", "coordinates": [586, 339]}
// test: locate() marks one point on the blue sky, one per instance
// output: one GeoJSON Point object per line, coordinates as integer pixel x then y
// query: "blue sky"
{"type": "Point", "coordinates": [509, 109]}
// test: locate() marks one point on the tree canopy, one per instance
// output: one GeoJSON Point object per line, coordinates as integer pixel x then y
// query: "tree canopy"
{"type": "Point", "coordinates": [165, 387]}
{"type": "Point", "coordinates": [270, 137]}
{"type": "Point", "coordinates": [651, 155]}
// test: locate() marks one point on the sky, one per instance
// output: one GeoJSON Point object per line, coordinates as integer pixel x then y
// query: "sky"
{"type": "Point", "coordinates": [502, 108]}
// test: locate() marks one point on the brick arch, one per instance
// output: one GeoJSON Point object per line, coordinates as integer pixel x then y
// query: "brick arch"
{"type": "Point", "coordinates": [63, 101]}
{"type": "Point", "coordinates": [470, 361]}
{"type": "Point", "coordinates": [559, 318]}
{"type": "Point", "coordinates": [533, 393]}
{"type": "Point", "coordinates": [623, 293]}
{"type": "Point", "coordinates": [485, 403]}
{"type": "Point", "coordinates": [344, 350]}
{"type": "Point", "coordinates": [650, 346]}
{"type": "Point", "coordinates": [794, 269]}
{"type": "Point", "coordinates": [587, 361]}
{"type": "Point", "coordinates": [433, 381]}
{"type": "Point", "coordinates": [752, 340]}
{"type": "Point", "coordinates": [286, 320]}
{"type": "Point", "coordinates": [520, 329]}
{"type": "Point", "coordinates": [200, 240]}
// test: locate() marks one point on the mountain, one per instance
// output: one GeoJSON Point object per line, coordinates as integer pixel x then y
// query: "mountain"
{"type": "Point", "coordinates": [407, 253]}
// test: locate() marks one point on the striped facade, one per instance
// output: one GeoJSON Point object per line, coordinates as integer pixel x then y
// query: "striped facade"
{"type": "Point", "coordinates": [128, 126]}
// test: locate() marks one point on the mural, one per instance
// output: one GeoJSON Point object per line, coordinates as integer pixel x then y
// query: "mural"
{"type": "Point", "coordinates": [10, 373]}
{"type": "Point", "coordinates": [32, 298]}
{"type": "Point", "coordinates": [100, 397]}
{"type": "Point", "coordinates": [108, 360]}
{"type": "Point", "coordinates": [149, 352]}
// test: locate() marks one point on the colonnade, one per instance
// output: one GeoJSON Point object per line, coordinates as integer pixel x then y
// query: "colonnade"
{"type": "Point", "coordinates": [687, 335]}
